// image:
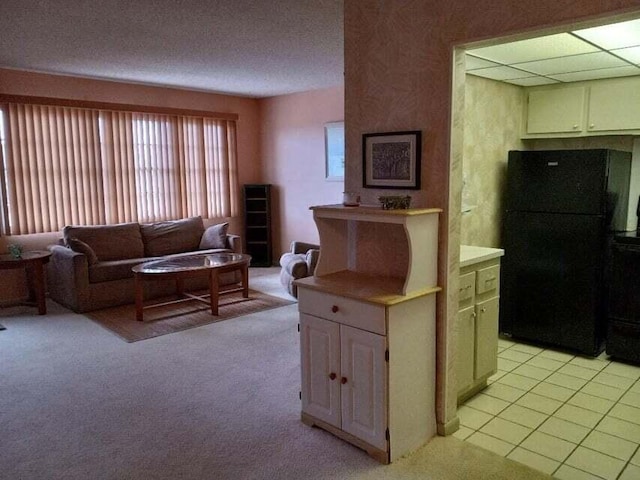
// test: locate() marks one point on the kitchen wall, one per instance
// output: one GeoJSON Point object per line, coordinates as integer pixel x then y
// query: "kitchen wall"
{"type": "Point", "coordinates": [292, 144]}
{"type": "Point", "coordinates": [492, 126]}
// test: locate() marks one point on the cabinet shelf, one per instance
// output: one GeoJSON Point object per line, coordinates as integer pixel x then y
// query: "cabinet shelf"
{"type": "Point", "coordinates": [378, 289]}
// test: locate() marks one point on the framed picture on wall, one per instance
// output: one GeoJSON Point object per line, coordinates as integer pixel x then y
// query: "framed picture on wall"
{"type": "Point", "coordinates": [391, 160]}
{"type": "Point", "coordinates": [334, 151]}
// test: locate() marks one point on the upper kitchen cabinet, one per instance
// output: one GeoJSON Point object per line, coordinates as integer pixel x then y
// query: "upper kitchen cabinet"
{"type": "Point", "coordinates": [615, 106]}
{"type": "Point", "coordinates": [556, 110]}
{"type": "Point", "coordinates": [602, 107]}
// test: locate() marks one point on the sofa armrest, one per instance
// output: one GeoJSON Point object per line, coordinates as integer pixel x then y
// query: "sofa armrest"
{"type": "Point", "coordinates": [312, 260]}
{"type": "Point", "coordinates": [68, 277]}
{"type": "Point", "coordinates": [234, 243]}
{"type": "Point", "coordinates": [302, 247]}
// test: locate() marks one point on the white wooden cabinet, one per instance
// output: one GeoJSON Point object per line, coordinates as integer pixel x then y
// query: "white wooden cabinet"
{"type": "Point", "coordinates": [477, 320]}
{"type": "Point", "coordinates": [599, 107]}
{"type": "Point", "coordinates": [614, 106]}
{"type": "Point", "coordinates": [367, 326]}
{"type": "Point", "coordinates": [344, 378]}
{"type": "Point", "coordinates": [556, 110]}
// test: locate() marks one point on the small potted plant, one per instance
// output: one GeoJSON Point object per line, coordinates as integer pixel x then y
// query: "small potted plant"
{"type": "Point", "coordinates": [15, 251]}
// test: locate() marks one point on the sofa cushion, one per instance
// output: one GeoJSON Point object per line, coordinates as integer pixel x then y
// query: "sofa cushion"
{"type": "Point", "coordinates": [173, 236]}
{"type": "Point", "coordinates": [109, 242]}
{"type": "Point", "coordinates": [215, 236]}
{"type": "Point", "coordinates": [114, 269]}
{"type": "Point", "coordinates": [81, 247]}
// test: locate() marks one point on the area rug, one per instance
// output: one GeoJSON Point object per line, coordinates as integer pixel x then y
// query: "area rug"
{"type": "Point", "coordinates": [175, 318]}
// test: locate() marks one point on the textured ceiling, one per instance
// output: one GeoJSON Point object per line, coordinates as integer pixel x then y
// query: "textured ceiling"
{"type": "Point", "coordinates": [253, 48]}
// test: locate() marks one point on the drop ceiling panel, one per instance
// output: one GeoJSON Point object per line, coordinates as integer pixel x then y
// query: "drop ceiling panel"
{"type": "Point", "coordinates": [550, 46]}
{"type": "Point", "coordinates": [532, 81]}
{"type": "Point", "coordinates": [608, 51]}
{"type": "Point", "coordinates": [573, 63]}
{"type": "Point", "coordinates": [473, 63]}
{"type": "Point", "coordinates": [597, 74]}
{"type": "Point", "coordinates": [499, 73]}
{"type": "Point", "coordinates": [631, 54]}
{"type": "Point", "coordinates": [618, 35]}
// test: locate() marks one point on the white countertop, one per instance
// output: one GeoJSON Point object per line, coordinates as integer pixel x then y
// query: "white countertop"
{"type": "Point", "coordinates": [470, 254]}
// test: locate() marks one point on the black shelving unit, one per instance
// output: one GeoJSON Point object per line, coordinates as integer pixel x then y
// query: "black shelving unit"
{"type": "Point", "coordinates": [257, 224]}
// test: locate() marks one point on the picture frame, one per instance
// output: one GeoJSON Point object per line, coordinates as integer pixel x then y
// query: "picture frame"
{"type": "Point", "coordinates": [392, 160]}
{"type": "Point", "coordinates": [334, 151]}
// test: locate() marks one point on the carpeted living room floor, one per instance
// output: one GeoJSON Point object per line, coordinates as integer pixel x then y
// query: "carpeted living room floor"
{"type": "Point", "coordinates": [214, 402]}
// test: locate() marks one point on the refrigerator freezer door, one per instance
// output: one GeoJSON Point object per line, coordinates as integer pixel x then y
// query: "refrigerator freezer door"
{"type": "Point", "coordinates": [562, 181]}
{"type": "Point", "coordinates": [552, 285]}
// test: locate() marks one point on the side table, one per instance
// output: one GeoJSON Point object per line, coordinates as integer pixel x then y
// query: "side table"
{"type": "Point", "coordinates": [33, 262]}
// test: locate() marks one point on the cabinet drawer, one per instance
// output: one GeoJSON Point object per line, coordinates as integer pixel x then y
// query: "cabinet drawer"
{"type": "Point", "coordinates": [347, 311]}
{"type": "Point", "coordinates": [488, 279]}
{"type": "Point", "coordinates": [467, 287]}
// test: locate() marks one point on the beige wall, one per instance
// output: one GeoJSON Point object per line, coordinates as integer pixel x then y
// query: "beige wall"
{"type": "Point", "coordinates": [398, 76]}
{"type": "Point", "coordinates": [15, 82]}
{"type": "Point", "coordinates": [492, 117]}
{"type": "Point", "coordinates": [292, 142]}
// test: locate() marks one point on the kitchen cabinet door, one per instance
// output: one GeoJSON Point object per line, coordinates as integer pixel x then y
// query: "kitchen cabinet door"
{"type": "Point", "coordinates": [614, 106]}
{"type": "Point", "coordinates": [486, 337]}
{"type": "Point", "coordinates": [465, 331]}
{"type": "Point", "coordinates": [320, 360]}
{"type": "Point", "coordinates": [364, 385]}
{"type": "Point", "coordinates": [557, 110]}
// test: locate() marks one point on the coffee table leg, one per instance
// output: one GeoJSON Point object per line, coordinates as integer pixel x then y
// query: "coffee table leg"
{"type": "Point", "coordinates": [214, 291]}
{"type": "Point", "coordinates": [245, 280]}
{"type": "Point", "coordinates": [139, 293]}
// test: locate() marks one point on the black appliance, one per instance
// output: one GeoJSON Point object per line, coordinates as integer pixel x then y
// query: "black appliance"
{"type": "Point", "coordinates": [623, 329]}
{"type": "Point", "coordinates": [561, 206]}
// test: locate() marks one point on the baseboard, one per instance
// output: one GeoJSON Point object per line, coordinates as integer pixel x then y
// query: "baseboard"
{"type": "Point", "coordinates": [452, 426]}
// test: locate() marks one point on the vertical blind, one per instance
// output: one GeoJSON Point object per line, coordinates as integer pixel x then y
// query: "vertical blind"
{"type": "Point", "coordinates": [68, 165]}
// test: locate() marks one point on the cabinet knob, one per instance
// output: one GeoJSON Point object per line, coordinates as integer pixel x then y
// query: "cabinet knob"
{"type": "Point", "coordinates": [575, 127]}
{"type": "Point", "coordinates": [483, 309]}
{"type": "Point", "coordinates": [332, 376]}
{"type": "Point", "coordinates": [335, 309]}
{"type": "Point", "coordinates": [592, 126]}
{"type": "Point", "coordinates": [343, 380]}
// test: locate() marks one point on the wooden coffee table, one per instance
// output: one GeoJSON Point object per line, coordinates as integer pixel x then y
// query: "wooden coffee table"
{"type": "Point", "coordinates": [187, 266]}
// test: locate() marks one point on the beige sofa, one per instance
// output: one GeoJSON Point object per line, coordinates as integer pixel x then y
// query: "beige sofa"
{"type": "Point", "coordinates": [91, 267]}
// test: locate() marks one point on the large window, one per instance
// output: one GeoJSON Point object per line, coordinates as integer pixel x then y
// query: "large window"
{"type": "Point", "coordinates": [65, 165]}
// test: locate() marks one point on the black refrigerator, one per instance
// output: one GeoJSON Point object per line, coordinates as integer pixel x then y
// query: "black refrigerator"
{"type": "Point", "coordinates": [561, 209]}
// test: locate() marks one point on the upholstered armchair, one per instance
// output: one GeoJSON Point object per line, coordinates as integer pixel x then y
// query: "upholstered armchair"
{"type": "Point", "coordinates": [299, 262]}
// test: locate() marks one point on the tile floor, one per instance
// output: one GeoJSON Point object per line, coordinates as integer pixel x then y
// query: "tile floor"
{"type": "Point", "coordinates": [572, 417]}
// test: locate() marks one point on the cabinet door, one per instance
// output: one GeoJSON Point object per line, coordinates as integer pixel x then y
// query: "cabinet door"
{"type": "Point", "coordinates": [556, 110]}
{"type": "Point", "coordinates": [364, 385]}
{"type": "Point", "coordinates": [614, 106]}
{"type": "Point", "coordinates": [320, 362]}
{"type": "Point", "coordinates": [466, 335]}
{"type": "Point", "coordinates": [486, 337]}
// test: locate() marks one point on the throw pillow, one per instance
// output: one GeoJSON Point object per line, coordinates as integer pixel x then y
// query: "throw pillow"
{"type": "Point", "coordinates": [215, 236]}
{"type": "Point", "coordinates": [81, 247]}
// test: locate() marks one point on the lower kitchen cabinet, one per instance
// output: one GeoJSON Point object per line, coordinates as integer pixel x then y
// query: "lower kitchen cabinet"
{"type": "Point", "coordinates": [477, 322]}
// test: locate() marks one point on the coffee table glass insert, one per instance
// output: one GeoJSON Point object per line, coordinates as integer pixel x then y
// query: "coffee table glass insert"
{"type": "Point", "coordinates": [179, 268]}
